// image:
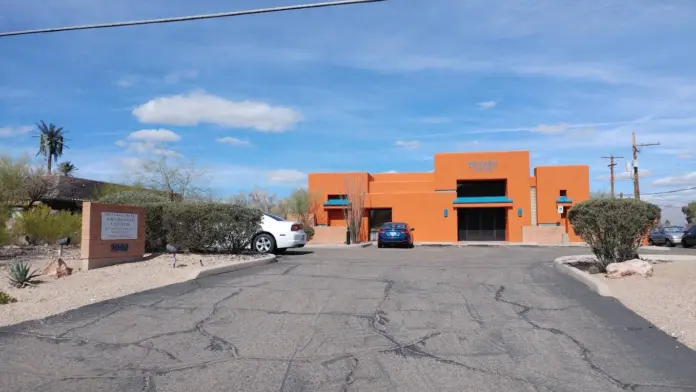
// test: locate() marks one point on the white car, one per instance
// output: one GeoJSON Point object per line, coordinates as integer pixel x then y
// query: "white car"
{"type": "Point", "coordinates": [278, 235]}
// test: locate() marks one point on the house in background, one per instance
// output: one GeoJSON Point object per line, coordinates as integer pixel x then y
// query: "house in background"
{"type": "Point", "coordinates": [481, 196]}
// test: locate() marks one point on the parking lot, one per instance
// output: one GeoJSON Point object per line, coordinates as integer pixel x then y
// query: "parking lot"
{"type": "Point", "coordinates": [424, 319]}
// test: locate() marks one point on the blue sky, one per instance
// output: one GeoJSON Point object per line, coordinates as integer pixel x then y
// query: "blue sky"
{"type": "Point", "coordinates": [263, 100]}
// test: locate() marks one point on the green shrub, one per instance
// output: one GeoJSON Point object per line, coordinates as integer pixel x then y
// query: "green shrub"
{"type": "Point", "coordinates": [202, 226]}
{"type": "Point", "coordinates": [613, 228]}
{"type": "Point", "coordinates": [21, 274]}
{"type": "Point", "coordinates": [40, 225]}
{"type": "Point", "coordinates": [6, 298]}
{"type": "Point", "coordinates": [5, 235]}
{"type": "Point", "coordinates": [133, 198]}
{"type": "Point", "coordinates": [310, 232]}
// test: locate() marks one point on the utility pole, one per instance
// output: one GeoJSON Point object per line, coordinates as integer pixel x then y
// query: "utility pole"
{"type": "Point", "coordinates": [611, 165]}
{"type": "Point", "coordinates": [636, 150]}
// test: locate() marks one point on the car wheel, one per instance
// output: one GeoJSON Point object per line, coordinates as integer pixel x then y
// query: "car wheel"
{"type": "Point", "coordinates": [379, 245]}
{"type": "Point", "coordinates": [669, 244]}
{"type": "Point", "coordinates": [650, 242]}
{"type": "Point", "coordinates": [685, 245]}
{"type": "Point", "coordinates": [264, 243]}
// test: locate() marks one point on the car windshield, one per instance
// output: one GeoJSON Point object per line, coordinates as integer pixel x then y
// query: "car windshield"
{"type": "Point", "coordinates": [275, 217]}
{"type": "Point", "coordinates": [674, 229]}
{"type": "Point", "coordinates": [394, 226]}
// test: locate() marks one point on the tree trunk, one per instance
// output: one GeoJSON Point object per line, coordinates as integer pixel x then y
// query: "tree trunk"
{"type": "Point", "coordinates": [48, 164]}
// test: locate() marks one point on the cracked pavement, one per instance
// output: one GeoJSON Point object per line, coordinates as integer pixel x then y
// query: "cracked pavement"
{"type": "Point", "coordinates": [424, 319]}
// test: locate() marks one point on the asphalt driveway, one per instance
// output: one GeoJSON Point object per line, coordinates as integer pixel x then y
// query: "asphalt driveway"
{"type": "Point", "coordinates": [425, 319]}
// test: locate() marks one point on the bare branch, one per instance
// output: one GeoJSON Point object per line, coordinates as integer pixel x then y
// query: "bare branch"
{"type": "Point", "coordinates": [180, 181]}
{"type": "Point", "coordinates": [354, 212]}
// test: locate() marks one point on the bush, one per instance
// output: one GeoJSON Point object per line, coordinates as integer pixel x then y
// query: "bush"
{"type": "Point", "coordinates": [133, 198]}
{"type": "Point", "coordinates": [40, 225]}
{"type": "Point", "coordinates": [613, 228]}
{"type": "Point", "coordinates": [202, 226]}
{"type": "Point", "coordinates": [6, 299]}
{"type": "Point", "coordinates": [310, 232]}
{"type": "Point", "coordinates": [5, 235]}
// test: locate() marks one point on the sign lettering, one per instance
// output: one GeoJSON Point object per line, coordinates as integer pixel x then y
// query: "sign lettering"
{"type": "Point", "coordinates": [119, 226]}
{"type": "Point", "coordinates": [119, 247]}
{"type": "Point", "coordinates": [483, 166]}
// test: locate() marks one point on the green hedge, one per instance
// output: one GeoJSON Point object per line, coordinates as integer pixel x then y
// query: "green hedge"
{"type": "Point", "coordinates": [613, 228]}
{"type": "Point", "coordinates": [192, 226]}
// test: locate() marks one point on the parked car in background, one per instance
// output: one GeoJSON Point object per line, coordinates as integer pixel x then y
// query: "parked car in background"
{"type": "Point", "coordinates": [666, 235]}
{"type": "Point", "coordinates": [689, 238]}
{"type": "Point", "coordinates": [395, 233]}
{"type": "Point", "coordinates": [277, 235]}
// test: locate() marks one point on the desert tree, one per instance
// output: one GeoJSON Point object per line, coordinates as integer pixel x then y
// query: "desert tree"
{"type": "Point", "coordinates": [67, 169]}
{"type": "Point", "coordinates": [355, 210]}
{"type": "Point", "coordinates": [302, 204]}
{"type": "Point", "coordinates": [689, 212]}
{"type": "Point", "coordinates": [177, 180]}
{"type": "Point", "coordinates": [51, 143]}
{"type": "Point", "coordinates": [37, 185]}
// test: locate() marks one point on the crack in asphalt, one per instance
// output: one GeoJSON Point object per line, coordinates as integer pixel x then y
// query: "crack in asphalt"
{"type": "Point", "coordinates": [584, 351]}
{"type": "Point", "coordinates": [350, 377]}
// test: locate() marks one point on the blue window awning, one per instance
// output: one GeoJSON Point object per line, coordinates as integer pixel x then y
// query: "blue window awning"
{"type": "Point", "coordinates": [563, 199]}
{"type": "Point", "coordinates": [482, 200]}
{"type": "Point", "coordinates": [336, 203]}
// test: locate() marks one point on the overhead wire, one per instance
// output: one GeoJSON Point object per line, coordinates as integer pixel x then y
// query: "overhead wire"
{"type": "Point", "coordinates": [187, 18]}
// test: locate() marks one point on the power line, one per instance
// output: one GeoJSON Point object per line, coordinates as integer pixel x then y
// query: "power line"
{"type": "Point", "coordinates": [188, 18]}
{"type": "Point", "coordinates": [672, 191]}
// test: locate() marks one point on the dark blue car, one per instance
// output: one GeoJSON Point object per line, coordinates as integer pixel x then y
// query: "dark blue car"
{"type": "Point", "coordinates": [395, 233]}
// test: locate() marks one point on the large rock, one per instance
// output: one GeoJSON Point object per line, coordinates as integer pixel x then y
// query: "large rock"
{"type": "Point", "coordinates": [628, 268]}
{"type": "Point", "coordinates": [57, 268]}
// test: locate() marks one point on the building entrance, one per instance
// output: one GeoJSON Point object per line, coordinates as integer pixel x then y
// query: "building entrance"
{"type": "Point", "coordinates": [481, 224]}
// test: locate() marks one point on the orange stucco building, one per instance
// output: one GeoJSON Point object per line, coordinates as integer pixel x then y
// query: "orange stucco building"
{"type": "Point", "coordinates": [467, 197]}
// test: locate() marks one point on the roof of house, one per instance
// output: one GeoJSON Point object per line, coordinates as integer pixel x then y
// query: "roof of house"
{"type": "Point", "coordinates": [78, 189]}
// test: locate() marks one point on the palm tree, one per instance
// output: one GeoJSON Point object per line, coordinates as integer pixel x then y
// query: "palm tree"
{"type": "Point", "coordinates": [67, 169]}
{"type": "Point", "coordinates": [51, 143]}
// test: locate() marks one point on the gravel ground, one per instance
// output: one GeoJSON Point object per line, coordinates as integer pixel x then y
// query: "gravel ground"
{"type": "Point", "coordinates": [667, 299]}
{"type": "Point", "coordinates": [55, 296]}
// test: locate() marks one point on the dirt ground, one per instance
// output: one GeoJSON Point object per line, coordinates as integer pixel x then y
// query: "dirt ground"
{"type": "Point", "coordinates": [667, 299]}
{"type": "Point", "coordinates": [54, 296]}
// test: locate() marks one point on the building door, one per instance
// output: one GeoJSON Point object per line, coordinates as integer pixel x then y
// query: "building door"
{"type": "Point", "coordinates": [378, 217]}
{"type": "Point", "coordinates": [481, 224]}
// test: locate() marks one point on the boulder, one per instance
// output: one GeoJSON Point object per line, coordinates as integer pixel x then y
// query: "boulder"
{"type": "Point", "coordinates": [628, 268]}
{"type": "Point", "coordinates": [57, 268]}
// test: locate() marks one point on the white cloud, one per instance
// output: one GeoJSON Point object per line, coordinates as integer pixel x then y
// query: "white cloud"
{"type": "Point", "coordinates": [9, 130]}
{"type": "Point", "coordinates": [685, 180]}
{"type": "Point", "coordinates": [551, 129]}
{"type": "Point", "coordinates": [412, 144]}
{"type": "Point", "coordinates": [621, 174]}
{"type": "Point", "coordinates": [685, 155]}
{"type": "Point", "coordinates": [233, 141]}
{"type": "Point", "coordinates": [155, 135]}
{"type": "Point", "coordinates": [199, 107]}
{"type": "Point", "coordinates": [285, 176]}
{"type": "Point", "coordinates": [390, 172]}
{"type": "Point", "coordinates": [179, 76]}
{"type": "Point", "coordinates": [487, 104]}
{"type": "Point", "coordinates": [121, 143]}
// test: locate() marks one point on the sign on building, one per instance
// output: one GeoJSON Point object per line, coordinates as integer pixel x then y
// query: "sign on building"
{"type": "Point", "coordinates": [119, 226]}
{"type": "Point", "coordinates": [483, 166]}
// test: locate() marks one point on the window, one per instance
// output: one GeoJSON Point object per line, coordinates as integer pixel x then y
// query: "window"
{"type": "Point", "coordinates": [673, 229]}
{"type": "Point", "coordinates": [481, 188]}
{"type": "Point", "coordinates": [275, 217]}
{"type": "Point", "coordinates": [692, 230]}
{"type": "Point", "coordinates": [564, 193]}
{"type": "Point", "coordinates": [337, 197]}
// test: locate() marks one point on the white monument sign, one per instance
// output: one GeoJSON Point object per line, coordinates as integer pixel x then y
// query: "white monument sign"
{"type": "Point", "coordinates": [119, 226]}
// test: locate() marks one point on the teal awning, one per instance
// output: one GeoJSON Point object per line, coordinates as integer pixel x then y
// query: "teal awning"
{"type": "Point", "coordinates": [336, 203]}
{"type": "Point", "coordinates": [563, 199]}
{"type": "Point", "coordinates": [482, 200]}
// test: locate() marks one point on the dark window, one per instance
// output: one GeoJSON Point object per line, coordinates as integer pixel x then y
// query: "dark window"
{"type": "Point", "coordinates": [564, 193]}
{"type": "Point", "coordinates": [692, 230]}
{"type": "Point", "coordinates": [379, 216]}
{"type": "Point", "coordinates": [482, 188]}
{"type": "Point", "coordinates": [275, 217]}
{"type": "Point", "coordinates": [337, 197]}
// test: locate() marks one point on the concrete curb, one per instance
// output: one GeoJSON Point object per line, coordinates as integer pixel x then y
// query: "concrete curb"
{"type": "Point", "coordinates": [666, 258]}
{"type": "Point", "coordinates": [336, 246]}
{"type": "Point", "coordinates": [221, 269]}
{"type": "Point", "coordinates": [583, 277]}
